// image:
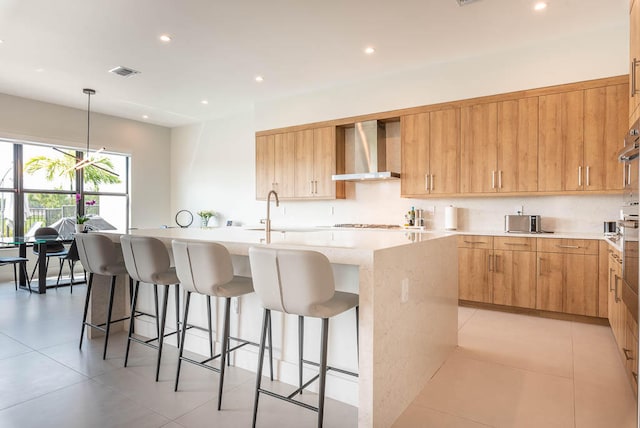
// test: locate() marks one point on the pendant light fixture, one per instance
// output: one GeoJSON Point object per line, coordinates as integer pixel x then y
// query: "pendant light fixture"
{"type": "Point", "coordinates": [86, 160]}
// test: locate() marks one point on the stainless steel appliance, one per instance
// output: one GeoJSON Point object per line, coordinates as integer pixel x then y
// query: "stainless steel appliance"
{"type": "Point", "coordinates": [629, 223]}
{"type": "Point", "coordinates": [522, 224]}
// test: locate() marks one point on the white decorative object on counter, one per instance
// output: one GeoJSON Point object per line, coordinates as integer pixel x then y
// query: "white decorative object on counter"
{"type": "Point", "coordinates": [451, 218]}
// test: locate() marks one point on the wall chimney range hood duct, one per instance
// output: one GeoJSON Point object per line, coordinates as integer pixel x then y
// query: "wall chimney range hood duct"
{"type": "Point", "coordinates": [370, 154]}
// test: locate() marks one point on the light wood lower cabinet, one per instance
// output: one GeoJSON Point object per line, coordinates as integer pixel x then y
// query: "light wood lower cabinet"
{"type": "Point", "coordinates": [497, 270]}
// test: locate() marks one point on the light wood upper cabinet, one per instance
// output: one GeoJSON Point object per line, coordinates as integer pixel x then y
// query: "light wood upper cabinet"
{"type": "Point", "coordinates": [479, 148]}
{"type": "Point", "coordinates": [605, 125]}
{"type": "Point", "coordinates": [430, 153]}
{"type": "Point", "coordinates": [518, 145]}
{"type": "Point", "coordinates": [265, 165]}
{"type": "Point", "coordinates": [284, 168]}
{"type": "Point", "coordinates": [560, 141]}
{"type": "Point", "coordinates": [499, 147]}
{"type": "Point", "coordinates": [299, 164]}
{"type": "Point", "coordinates": [634, 63]}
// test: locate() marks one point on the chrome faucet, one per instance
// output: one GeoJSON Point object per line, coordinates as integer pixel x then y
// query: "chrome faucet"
{"type": "Point", "coordinates": [267, 221]}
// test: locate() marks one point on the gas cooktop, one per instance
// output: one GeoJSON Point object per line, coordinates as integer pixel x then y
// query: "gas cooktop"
{"type": "Point", "coordinates": [367, 226]}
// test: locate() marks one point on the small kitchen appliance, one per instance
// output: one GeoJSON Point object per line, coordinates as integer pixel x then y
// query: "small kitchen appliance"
{"type": "Point", "coordinates": [522, 224]}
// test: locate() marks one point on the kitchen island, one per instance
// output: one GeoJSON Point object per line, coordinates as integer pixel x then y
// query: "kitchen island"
{"type": "Point", "coordinates": [408, 287]}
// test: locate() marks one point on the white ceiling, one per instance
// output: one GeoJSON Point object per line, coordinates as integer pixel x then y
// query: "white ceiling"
{"type": "Point", "coordinates": [219, 47]}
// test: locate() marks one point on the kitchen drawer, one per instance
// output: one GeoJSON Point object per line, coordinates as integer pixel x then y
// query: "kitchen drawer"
{"type": "Point", "coordinates": [568, 246]}
{"type": "Point", "coordinates": [518, 243]}
{"type": "Point", "coordinates": [475, 241]}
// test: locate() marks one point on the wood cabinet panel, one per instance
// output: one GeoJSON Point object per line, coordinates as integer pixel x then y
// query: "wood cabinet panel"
{"type": "Point", "coordinates": [514, 278]}
{"type": "Point", "coordinates": [475, 241]}
{"type": "Point", "coordinates": [473, 275]}
{"type": "Point", "coordinates": [603, 275]}
{"type": "Point", "coordinates": [265, 165]}
{"type": "Point", "coordinates": [550, 286]}
{"type": "Point", "coordinates": [479, 148]}
{"type": "Point", "coordinates": [285, 163]}
{"type": "Point", "coordinates": [570, 246]}
{"type": "Point", "coordinates": [324, 162]}
{"type": "Point", "coordinates": [518, 145]}
{"type": "Point", "coordinates": [514, 243]}
{"type": "Point", "coordinates": [605, 125]}
{"type": "Point", "coordinates": [560, 141]}
{"type": "Point", "coordinates": [444, 151]}
{"type": "Point", "coordinates": [415, 154]}
{"type": "Point", "coordinates": [634, 56]}
{"type": "Point", "coordinates": [304, 163]}
{"type": "Point", "coordinates": [581, 284]}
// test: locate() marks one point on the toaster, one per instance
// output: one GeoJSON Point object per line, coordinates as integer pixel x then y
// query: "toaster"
{"type": "Point", "coordinates": [522, 223]}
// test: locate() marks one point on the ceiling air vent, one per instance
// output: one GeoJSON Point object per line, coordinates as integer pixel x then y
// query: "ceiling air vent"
{"type": "Point", "coordinates": [124, 71]}
{"type": "Point", "coordinates": [465, 2]}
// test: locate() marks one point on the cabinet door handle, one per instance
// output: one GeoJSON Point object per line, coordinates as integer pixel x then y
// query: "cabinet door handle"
{"type": "Point", "coordinates": [432, 182]}
{"type": "Point", "coordinates": [500, 179]}
{"type": "Point", "coordinates": [315, 187]}
{"type": "Point", "coordinates": [588, 183]}
{"type": "Point", "coordinates": [628, 174]}
{"type": "Point", "coordinates": [579, 175]}
{"type": "Point", "coordinates": [575, 247]}
{"type": "Point", "coordinates": [615, 291]}
{"type": "Point", "coordinates": [490, 257]}
{"type": "Point", "coordinates": [628, 354]}
{"type": "Point", "coordinates": [634, 86]}
{"type": "Point", "coordinates": [474, 242]}
{"type": "Point", "coordinates": [426, 182]}
{"type": "Point", "coordinates": [624, 176]}
{"type": "Point", "coordinates": [610, 279]}
{"type": "Point", "coordinates": [493, 179]}
{"type": "Point", "coordinates": [540, 266]}
{"type": "Point", "coordinates": [516, 244]}
{"type": "Point", "coordinates": [635, 376]}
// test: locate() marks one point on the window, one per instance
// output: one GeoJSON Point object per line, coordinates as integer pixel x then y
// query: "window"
{"type": "Point", "coordinates": [48, 192]}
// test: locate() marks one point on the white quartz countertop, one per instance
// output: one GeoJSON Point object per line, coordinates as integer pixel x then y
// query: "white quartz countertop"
{"type": "Point", "coordinates": [347, 243]}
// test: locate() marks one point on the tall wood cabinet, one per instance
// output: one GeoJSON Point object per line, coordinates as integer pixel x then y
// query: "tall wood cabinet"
{"type": "Point", "coordinates": [430, 153]}
{"type": "Point", "coordinates": [634, 63]}
{"type": "Point", "coordinates": [499, 144]}
{"type": "Point", "coordinates": [299, 164]}
{"type": "Point", "coordinates": [579, 136]}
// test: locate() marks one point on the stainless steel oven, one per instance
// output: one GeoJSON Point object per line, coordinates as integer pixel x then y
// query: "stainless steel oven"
{"type": "Point", "coordinates": [629, 222]}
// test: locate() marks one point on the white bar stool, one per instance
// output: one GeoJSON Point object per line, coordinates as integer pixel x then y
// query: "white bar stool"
{"type": "Point", "coordinates": [147, 260]}
{"type": "Point", "coordinates": [100, 255]}
{"type": "Point", "coordinates": [297, 282]}
{"type": "Point", "coordinates": [206, 268]}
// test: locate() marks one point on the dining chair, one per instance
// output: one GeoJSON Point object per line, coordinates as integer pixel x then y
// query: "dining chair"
{"type": "Point", "coordinates": [54, 247]}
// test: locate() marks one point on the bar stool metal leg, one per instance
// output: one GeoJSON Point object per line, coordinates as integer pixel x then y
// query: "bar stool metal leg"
{"type": "Point", "coordinates": [270, 350]}
{"type": "Point", "coordinates": [86, 307]}
{"type": "Point", "coordinates": [323, 370]}
{"type": "Point", "coordinates": [177, 292]}
{"type": "Point", "coordinates": [300, 349]}
{"type": "Point", "coordinates": [358, 334]}
{"type": "Point", "coordinates": [163, 323]}
{"type": "Point", "coordinates": [134, 300]}
{"type": "Point", "coordinates": [108, 326]}
{"type": "Point", "coordinates": [225, 347]}
{"type": "Point", "coordinates": [184, 332]}
{"type": "Point", "coordinates": [155, 296]}
{"type": "Point", "coordinates": [266, 318]}
{"type": "Point", "coordinates": [210, 326]}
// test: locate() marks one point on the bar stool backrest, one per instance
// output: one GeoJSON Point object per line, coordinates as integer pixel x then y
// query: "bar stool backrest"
{"type": "Point", "coordinates": [202, 267]}
{"type": "Point", "coordinates": [291, 281]}
{"type": "Point", "coordinates": [98, 254]}
{"type": "Point", "coordinates": [144, 257]}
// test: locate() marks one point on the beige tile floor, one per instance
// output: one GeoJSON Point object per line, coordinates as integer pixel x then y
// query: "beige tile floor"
{"type": "Point", "coordinates": [509, 371]}
{"type": "Point", "coordinates": [519, 371]}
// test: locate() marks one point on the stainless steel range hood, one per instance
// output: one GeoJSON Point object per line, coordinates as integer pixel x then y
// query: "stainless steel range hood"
{"type": "Point", "coordinates": [370, 154]}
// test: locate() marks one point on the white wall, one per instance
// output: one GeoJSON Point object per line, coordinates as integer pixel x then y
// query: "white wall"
{"type": "Point", "coordinates": [148, 145]}
{"type": "Point", "coordinates": [213, 163]}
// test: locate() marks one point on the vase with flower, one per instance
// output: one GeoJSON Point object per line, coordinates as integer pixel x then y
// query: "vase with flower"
{"type": "Point", "coordinates": [80, 223]}
{"type": "Point", "coordinates": [205, 216]}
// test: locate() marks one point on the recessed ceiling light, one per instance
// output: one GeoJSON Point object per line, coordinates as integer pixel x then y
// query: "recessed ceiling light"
{"type": "Point", "coordinates": [1, 41]}
{"type": "Point", "coordinates": [369, 50]}
{"type": "Point", "coordinates": [204, 102]}
{"type": "Point", "coordinates": [259, 79]}
{"type": "Point", "coordinates": [165, 38]}
{"type": "Point", "coordinates": [541, 5]}
{"type": "Point", "coordinates": [144, 116]}
{"type": "Point", "coordinates": [39, 70]}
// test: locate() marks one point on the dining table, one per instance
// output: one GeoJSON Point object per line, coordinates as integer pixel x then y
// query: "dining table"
{"type": "Point", "coordinates": [22, 242]}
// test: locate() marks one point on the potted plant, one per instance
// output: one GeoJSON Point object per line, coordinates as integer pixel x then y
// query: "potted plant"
{"type": "Point", "coordinates": [80, 221]}
{"type": "Point", "coordinates": [205, 216]}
